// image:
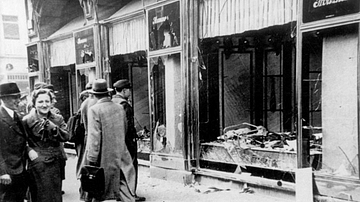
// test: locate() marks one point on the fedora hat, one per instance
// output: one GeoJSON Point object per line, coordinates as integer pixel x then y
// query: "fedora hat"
{"type": "Point", "coordinates": [123, 83]}
{"type": "Point", "coordinates": [100, 87]}
{"type": "Point", "coordinates": [9, 89]}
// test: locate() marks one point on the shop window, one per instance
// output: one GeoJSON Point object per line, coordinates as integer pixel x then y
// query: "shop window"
{"type": "Point", "coordinates": [273, 96]}
{"type": "Point", "coordinates": [255, 96]}
{"type": "Point", "coordinates": [164, 26]}
{"type": "Point", "coordinates": [330, 101]}
{"type": "Point", "coordinates": [33, 59]}
{"type": "Point", "coordinates": [158, 73]}
{"type": "Point", "coordinates": [242, 88]}
{"type": "Point", "coordinates": [134, 68]}
{"type": "Point", "coordinates": [237, 89]}
{"type": "Point", "coordinates": [11, 27]}
{"type": "Point", "coordinates": [167, 104]}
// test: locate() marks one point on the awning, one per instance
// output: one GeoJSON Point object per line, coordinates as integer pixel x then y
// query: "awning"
{"type": "Point", "coordinates": [226, 17]}
{"type": "Point", "coordinates": [128, 29]}
{"type": "Point", "coordinates": [62, 52]}
{"type": "Point", "coordinates": [128, 37]}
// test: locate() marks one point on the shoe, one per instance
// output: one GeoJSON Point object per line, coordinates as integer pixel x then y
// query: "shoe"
{"type": "Point", "coordinates": [140, 198]}
{"type": "Point", "coordinates": [62, 192]}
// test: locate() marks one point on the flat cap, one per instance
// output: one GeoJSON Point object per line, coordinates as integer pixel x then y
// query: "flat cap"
{"type": "Point", "coordinates": [39, 85]}
{"type": "Point", "coordinates": [123, 83]}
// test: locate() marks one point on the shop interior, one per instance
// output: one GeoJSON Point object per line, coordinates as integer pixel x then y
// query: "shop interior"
{"type": "Point", "coordinates": [250, 79]}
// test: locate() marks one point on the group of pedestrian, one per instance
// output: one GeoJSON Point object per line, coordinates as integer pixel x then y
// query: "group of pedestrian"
{"type": "Point", "coordinates": [32, 158]}
{"type": "Point", "coordinates": [109, 140]}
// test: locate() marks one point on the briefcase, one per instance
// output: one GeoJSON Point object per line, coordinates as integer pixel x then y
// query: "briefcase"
{"type": "Point", "coordinates": [92, 179]}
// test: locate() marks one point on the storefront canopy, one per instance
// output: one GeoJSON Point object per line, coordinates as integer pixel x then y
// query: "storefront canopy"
{"type": "Point", "coordinates": [226, 17]}
{"type": "Point", "coordinates": [52, 14]}
{"type": "Point", "coordinates": [128, 29]}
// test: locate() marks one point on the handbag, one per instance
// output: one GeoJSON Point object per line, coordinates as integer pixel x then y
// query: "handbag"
{"type": "Point", "coordinates": [92, 179]}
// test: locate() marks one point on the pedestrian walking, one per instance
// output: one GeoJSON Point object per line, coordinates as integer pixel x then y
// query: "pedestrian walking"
{"type": "Point", "coordinates": [80, 148]}
{"type": "Point", "coordinates": [22, 110]}
{"type": "Point", "coordinates": [106, 145]}
{"type": "Point", "coordinates": [54, 110]}
{"type": "Point", "coordinates": [123, 93]}
{"type": "Point", "coordinates": [47, 131]}
{"type": "Point", "coordinates": [13, 176]}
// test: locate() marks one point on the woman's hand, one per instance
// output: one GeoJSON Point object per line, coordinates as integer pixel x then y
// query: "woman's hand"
{"type": "Point", "coordinates": [50, 125]}
{"type": "Point", "coordinates": [32, 155]}
{"type": "Point", "coordinates": [5, 179]}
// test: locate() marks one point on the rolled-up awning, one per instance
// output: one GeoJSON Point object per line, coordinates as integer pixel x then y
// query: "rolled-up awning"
{"type": "Point", "coordinates": [128, 29]}
{"type": "Point", "coordinates": [62, 52]}
{"type": "Point", "coordinates": [226, 17]}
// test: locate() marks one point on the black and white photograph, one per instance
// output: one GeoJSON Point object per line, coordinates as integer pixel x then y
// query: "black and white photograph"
{"type": "Point", "coordinates": [179, 100]}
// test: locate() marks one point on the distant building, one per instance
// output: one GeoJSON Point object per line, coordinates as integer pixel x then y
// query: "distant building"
{"type": "Point", "coordinates": [13, 37]}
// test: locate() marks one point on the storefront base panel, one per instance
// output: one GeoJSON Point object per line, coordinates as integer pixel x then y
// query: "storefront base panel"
{"type": "Point", "coordinates": [167, 161]}
{"type": "Point", "coordinates": [332, 188]}
{"type": "Point", "coordinates": [244, 180]}
{"type": "Point", "coordinates": [179, 176]}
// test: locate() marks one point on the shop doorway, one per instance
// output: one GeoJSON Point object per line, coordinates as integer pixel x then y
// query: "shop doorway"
{"type": "Point", "coordinates": [64, 82]}
{"type": "Point", "coordinates": [134, 68]}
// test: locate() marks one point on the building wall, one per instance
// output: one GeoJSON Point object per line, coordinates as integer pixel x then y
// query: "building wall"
{"type": "Point", "coordinates": [13, 51]}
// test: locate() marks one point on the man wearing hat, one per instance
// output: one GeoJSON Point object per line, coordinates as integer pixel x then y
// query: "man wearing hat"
{"type": "Point", "coordinates": [105, 146]}
{"type": "Point", "coordinates": [13, 184]}
{"type": "Point", "coordinates": [123, 93]}
{"type": "Point", "coordinates": [89, 101]}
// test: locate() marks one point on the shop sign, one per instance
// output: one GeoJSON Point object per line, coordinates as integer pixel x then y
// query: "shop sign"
{"type": "Point", "coordinates": [84, 46]}
{"type": "Point", "coordinates": [33, 61]}
{"type": "Point", "coordinates": [164, 26]}
{"type": "Point", "coordinates": [322, 9]}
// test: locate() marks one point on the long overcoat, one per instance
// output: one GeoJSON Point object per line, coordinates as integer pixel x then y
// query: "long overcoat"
{"type": "Point", "coordinates": [45, 137]}
{"type": "Point", "coordinates": [12, 156]}
{"type": "Point", "coordinates": [106, 145]}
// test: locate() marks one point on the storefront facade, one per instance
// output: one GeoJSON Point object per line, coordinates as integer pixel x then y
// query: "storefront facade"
{"type": "Point", "coordinates": [221, 85]}
{"type": "Point", "coordinates": [328, 93]}
{"type": "Point", "coordinates": [247, 87]}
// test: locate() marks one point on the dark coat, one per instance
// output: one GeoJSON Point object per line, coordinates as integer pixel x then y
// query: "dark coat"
{"type": "Point", "coordinates": [88, 102]}
{"type": "Point", "coordinates": [12, 145]}
{"type": "Point", "coordinates": [106, 145]}
{"type": "Point", "coordinates": [131, 136]}
{"type": "Point", "coordinates": [12, 157]}
{"type": "Point", "coordinates": [45, 137]}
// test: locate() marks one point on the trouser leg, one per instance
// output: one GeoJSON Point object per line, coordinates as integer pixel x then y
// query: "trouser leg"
{"type": "Point", "coordinates": [125, 192]}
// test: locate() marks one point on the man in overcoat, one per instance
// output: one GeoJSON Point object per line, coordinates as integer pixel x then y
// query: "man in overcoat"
{"type": "Point", "coordinates": [81, 152]}
{"type": "Point", "coordinates": [13, 178]}
{"type": "Point", "coordinates": [106, 145]}
{"type": "Point", "coordinates": [123, 93]}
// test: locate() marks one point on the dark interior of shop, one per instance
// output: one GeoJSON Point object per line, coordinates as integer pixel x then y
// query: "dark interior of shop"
{"type": "Point", "coordinates": [134, 68]}
{"type": "Point", "coordinates": [250, 79]}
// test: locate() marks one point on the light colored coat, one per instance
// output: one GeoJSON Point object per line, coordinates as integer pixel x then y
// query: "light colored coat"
{"type": "Point", "coordinates": [106, 145]}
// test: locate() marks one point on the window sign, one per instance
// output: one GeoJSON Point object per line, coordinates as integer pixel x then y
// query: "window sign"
{"type": "Point", "coordinates": [84, 46]}
{"type": "Point", "coordinates": [33, 61]}
{"type": "Point", "coordinates": [321, 9]}
{"type": "Point", "coordinates": [164, 26]}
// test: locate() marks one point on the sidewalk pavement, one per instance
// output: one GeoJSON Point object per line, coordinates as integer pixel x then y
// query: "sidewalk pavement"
{"type": "Point", "coordinates": [158, 190]}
